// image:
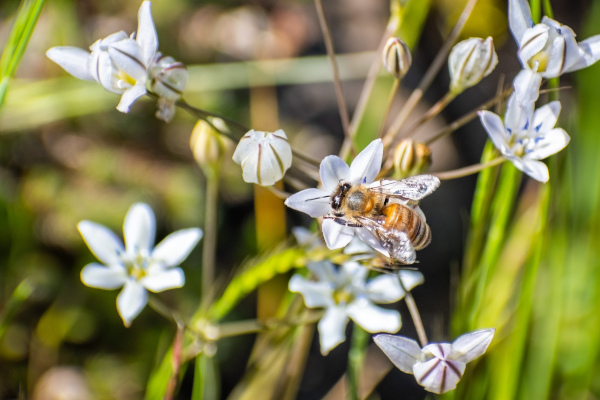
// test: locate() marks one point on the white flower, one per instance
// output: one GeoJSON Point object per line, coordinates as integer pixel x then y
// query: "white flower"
{"type": "Point", "coordinates": [470, 61]}
{"type": "Point", "coordinates": [117, 62]}
{"type": "Point", "coordinates": [264, 156]}
{"type": "Point", "coordinates": [345, 293]}
{"type": "Point", "coordinates": [549, 48]}
{"type": "Point", "coordinates": [136, 267]}
{"type": "Point", "coordinates": [438, 366]}
{"type": "Point", "coordinates": [167, 78]}
{"type": "Point", "coordinates": [527, 87]}
{"type": "Point", "coordinates": [526, 136]}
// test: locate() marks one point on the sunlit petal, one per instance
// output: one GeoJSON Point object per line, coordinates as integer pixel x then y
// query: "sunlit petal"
{"type": "Point", "coordinates": [131, 301]}
{"type": "Point", "coordinates": [130, 96]}
{"type": "Point", "coordinates": [367, 163]}
{"type": "Point", "coordinates": [167, 279]}
{"type": "Point", "coordinates": [473, 344]}
{"type": "Point", "coordinates": [313, 202]}
{"type": "Point", "coordinates": [336, 235]}
{"type": "Point", "coordinates": [102, 242]}
{"type": "Point", "coordinates": [73, 60]}
{"type": "Point", "coordinates": [333, 170]}
{"type": "Point", "coordinates": [372, 318]}
{"type": "Point", "coordinates": [495, 129]}
{"type": "Point", "coordinates": [103, 276]}
{"type": "Point", "coordinates": [316, 294]}
{"type": "Point", "coordinates": [332, 328]}
{"type": "Point", "coordinates": [176, 247]}
{"type": "Point", "coordinates": [519, 18]}
{"type": "Point", "coordinates": [139, 229]}
{"type": "Point", "coordinates": [401, 351]}
{"type": "Point", "coordinates": [146, 33]}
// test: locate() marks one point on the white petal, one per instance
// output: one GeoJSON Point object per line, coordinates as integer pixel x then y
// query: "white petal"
{"type": "Point", "coordinates": [519, 18]}
{"type": "Point", "coordinates": [534, 40]}
{"type": "Point", "coordinates": [103, 243]}
{"type": "Point", "coordinates": [473, 344]}
{"type": "Point", "coordinates": [527, 87]}
{"type": "Point", "coordinates": [324, 270]}
{"type": "Point", "coordinates": [305, 237]}
{"type": "Point", "coordinates": [358, 247]}
{"type": "Point", "coordinates": [549, 143]}
{"type": "Point", "coordinates": [166, 279]}
{"type": "Point", "coordinates": [557, 59]}
{"type": "Point", "coordinates": [103, 277]}
{"type": "Point", "coordinates": [336, 235]}
{"type": "Point", "coordinates": [127, 56]}
{"type": "Point", "coordinates": [384, 289]}
{"type": "Point", "coordinates": [333, 170]}
{"type": "Point", "coordinates": [104, 71]}
{"type": "Point", "coordinates": [313, 202]}
{"type": "Point", "coordinates": [176, 247]}
{"type": "Point", "coordinates": [402, 351]}
{"type": "Point", "coordinates": [589, 53]}
{"type": "Point", "coordinates": [568, 45]}
{"type": "Point", "coordinates": [438, 376]}
{"type": "Point", "coordinates": [130, 96]}
{"type": "Point", "coordinates": [535, 169]}
{"type": "Point", "coordinates": [278, 143]}
{"type": "Point", "coordinates": [545, 117]}
{"type": "Point", "coordinates": [332, 328]}
{"type": "Point", "coordinates": [73, 60]}
{"type": "Point", "coordinates": [495, 129]}
{"type": "Point", "coordinates": [247, 146]}
{"type": "Point", "coordinates": [372, 318]}
{"type": "Point", "coordinates": [139, 229]}
{"type": "Point", "coordinates": [367, 163]}
{"type": "Point", "coordinates": [146, 33]}
{"type": "Point", "coordinates": [131, 301]}
{"type": "Point", "coordinates": [316, 294]}
{"type": "Point", "coordinates": [370, 240]}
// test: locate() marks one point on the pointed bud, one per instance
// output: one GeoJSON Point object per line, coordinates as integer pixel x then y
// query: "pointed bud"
{"type": "Point", "coordinates": [470, 61]}
{"type": "Point", "coordinates": [166, 78]}
{"type": "Point", "coordinates": [411, 158]}
{"type": "Point", "coordinates": [208, 145]}
{"type": "Point", "coordinates": [396, 57]}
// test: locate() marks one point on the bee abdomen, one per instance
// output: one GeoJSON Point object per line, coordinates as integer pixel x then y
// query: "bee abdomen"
{"type": "Point", "coordinates": [418, 231]}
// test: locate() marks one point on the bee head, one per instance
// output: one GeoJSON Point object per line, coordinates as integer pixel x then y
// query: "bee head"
{"type": "Point", "coordinates": [338, 195]}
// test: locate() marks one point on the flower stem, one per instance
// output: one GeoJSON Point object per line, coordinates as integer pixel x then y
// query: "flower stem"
{"type": "Point", "coordinates": [176, 361]}
{"type": "Point", "coordinates": [337, 83]}
{"type": "Point", "coordinates": [432, 71]}
{"type": "Point", "coordinates": [432, 112]}
{"type": "Point", "coordinates": [210, 232]}
{"type": "Point", "coordinates": [470, 170]}
{"type": "Point", "coordinates": [356, 357]}
{"type": "Point", "coordinates": [414, 313]}
{"type": "Point", "coordinates": [202, 114]}
{"type": "Point", "coordinates": [389, 105]}
{"type": "Point", "coordinates": [247, 327]}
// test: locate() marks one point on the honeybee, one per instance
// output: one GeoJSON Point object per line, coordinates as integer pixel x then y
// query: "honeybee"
{"type": "Point", "coordinates": [388, 210]}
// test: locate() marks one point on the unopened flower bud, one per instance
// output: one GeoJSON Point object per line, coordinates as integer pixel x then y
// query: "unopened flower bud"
{"type": "Point", "coordinates": [411, 158]}
{"type": "Point", "coordinates": [166, 78]}
{"type": "Point", "coordinates": [208, 145]}
{"type": "Point", "coordinates": [470, 61]}
{"type": "Point", "coordinates": [264, 156]}
{"type": "Point", "coordinates": [396, 57]}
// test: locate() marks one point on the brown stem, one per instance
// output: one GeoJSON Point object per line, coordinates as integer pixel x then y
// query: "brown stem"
{"type": "Point", "coordinates": [414, 313]}
{"type": "Point", "coordinates": [470, 170]}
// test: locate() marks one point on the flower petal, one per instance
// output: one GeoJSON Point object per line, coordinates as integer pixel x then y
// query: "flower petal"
{"type": "Point", "coordinates": [102, 242]}
{"type": "Point", "coordinates": [104, 71]}
{"type": "Point", "coordinates": [130, 96]}
{"type": "Point", "coordinates": [367, 164]}
{"type": "Point", "coordinates": [533, 41]}
{"type": "Point", "coordinates": [527, 87]}
{"type": "Point", "coordinates": [546, 116]}
{"type": "Point", "coordinates": [495, 129]}
{"type": "Point", "coordinates": [127, 56]}
{"type": "Point", "coordinates": [324, 271]}
{"type": "Point", "coordinates": [557, 59]}
{"type": "Point", "coordinates": [336, 235]}
{"type": "Point", "coordinates": [176, 247]}
{"type": "Point", "coordinates": [372, 318]}
{"type": "Point", "coordinates": [245, 148]}
{"type": "Point", "coordinates": [473, 344]}
{"type": "Point", "coordinates": [438, 376]}
{"type": "Point", "coordinates": [549, 143]}
{"type": "Point", "coordinates": [164, 280]}
{"type": "Point", "coordinates": [519, 18]}
{"type": "Point", "coordinates": [386, 289]}
{"type": "Point", "coordinates": [131, 301]}
{"type": "Point", "coordinates": [316, 294]}
{"type": "Point", "coordinates": [333, 170]}
{"type": "Point", "coordinates": [589, 53]}
{"type": "Point", "coordinates": [146, 33]}
{"type": "Point", "coordinates": [369, 239]}
{"type": "Point", "coordinates": [103, 277]}
{"type": "Point", "coordinates": [332, 328]}
{"type": "Point", "coordinates": [402, 351]}
{"type": "Point", "coordinates": [73, 60]}
{"type": "Point", "coordinates": [313, 202]}
{"type": "Point", "coordinates": [535, 169]}
{"type": "Point", "coordinates": [139, 229]}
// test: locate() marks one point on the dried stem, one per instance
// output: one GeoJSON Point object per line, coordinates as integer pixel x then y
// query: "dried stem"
{"type": "Point", "coordinates": [432, 71]}
{"type": "Point", "coordinates": [432, 112]}
{"type": "Point", "coordinates": [414, 313]}
{"type": "Point", "coordinates": [176, 361]}
{"type": "Point", "coordinates": [337, 83]}
{"type": "Point", "coordinates": [470, 170]}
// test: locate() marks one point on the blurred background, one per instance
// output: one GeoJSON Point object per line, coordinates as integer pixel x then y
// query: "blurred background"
{"type": "Point", "coordinates": [66, 154]}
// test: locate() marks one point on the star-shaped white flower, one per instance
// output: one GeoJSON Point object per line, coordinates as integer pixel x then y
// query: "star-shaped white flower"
{"type": "Point", "coordinates": [333, 170]}
{"type": "Point", "coordinates": [264, 156]}
{"type": "Point", "coordinates": [549, 48]}
{"type": "Point", "coordinates": [525, 136]}
{"type": "Point", "coordinates": [345, 293]}
{"type": "Point", "coordinates": [137, 266]}
{"type": "Point", "coordinates": [117, 62]}
{"type": "Point", "coordinates": [438, 366]}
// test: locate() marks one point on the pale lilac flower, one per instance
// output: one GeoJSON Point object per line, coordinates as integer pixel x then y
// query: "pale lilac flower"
{"type": "Point", "coordinates": [138, 266]}
{"type": "Point", "coordinates": [549, 48]}
{"type": "Point", "coordinates": [470, 61]}
{"type": "Point", "coordinates": [438, 366]}
{"type": "Point", "coordinates": [525, 136]}
{"type": "Point", "coordinates": [119, 63]}
{"type": "Point", "coordinates": [264, 156]}
{"type": "Point", "coordinates": [345, 293]}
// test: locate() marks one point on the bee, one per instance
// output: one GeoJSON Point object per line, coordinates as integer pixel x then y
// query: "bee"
{"type": "Point", "coordinates": [388, 210]}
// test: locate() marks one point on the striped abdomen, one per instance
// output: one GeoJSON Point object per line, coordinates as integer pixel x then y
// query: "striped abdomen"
{"type": "Point", "coordinates": [402, 218]}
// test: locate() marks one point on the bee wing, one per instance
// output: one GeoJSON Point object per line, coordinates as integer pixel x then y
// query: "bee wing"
{"type": "Point", "coordinates": [413, 188]}
{"type": "Point", "coordinates": [395, 242]}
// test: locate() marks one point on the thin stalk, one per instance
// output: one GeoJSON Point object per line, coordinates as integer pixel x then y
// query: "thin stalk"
{"type": "Point", "coordinates": [470, 170]}
{"type": "Point", "coordinates": [176, 363]}
{"type": "Point", "coordinates": [203, 114]}
{"type": "Point", "coordinates": [209, 244]}
{"type": "Point", "coordinates": [432, 112]}
{"type": "Point", "coordinates": [414, 313]}
{"type": "Point", "coordinates": [282, 194]}
{"type": "Point", "coordinates": [247, 327]}
{"type": "Point", "coordinates": [432, 71]}
{"type": "Point", "coordinates": [389, 105]}
{"type": "Point", "coordinates": [337, 82]}
{"type": "Point", "coordinates": [161, 308]}
{"type": "Point", "coordinates": [356, 357]}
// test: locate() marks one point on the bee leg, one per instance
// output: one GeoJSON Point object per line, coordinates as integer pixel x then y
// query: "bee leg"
{"type": "Point", "coordinates": [342, 221]}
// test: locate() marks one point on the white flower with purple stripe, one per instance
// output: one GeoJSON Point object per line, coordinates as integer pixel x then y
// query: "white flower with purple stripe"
{"type": "Point", "coordinates": [526, 136]}
{"type": "Point", "coordinates": [138, 266]}
{"type": "Point", "coordinates": [438, 367]}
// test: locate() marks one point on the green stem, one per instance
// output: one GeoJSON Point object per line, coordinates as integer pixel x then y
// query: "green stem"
{"type": "Point", "coordinates": [414, 313]}
{"type": "Point", "coordinates": [209, 244]}
{"type": "Point", "coordinates": [356, 357]}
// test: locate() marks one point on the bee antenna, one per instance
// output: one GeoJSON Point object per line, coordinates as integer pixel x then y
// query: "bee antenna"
{"type": "Point", "coordinates": [317, 198]}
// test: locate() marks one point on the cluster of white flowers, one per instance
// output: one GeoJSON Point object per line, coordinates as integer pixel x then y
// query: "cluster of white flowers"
{"type": "Point", "coordinates": [129, 66]}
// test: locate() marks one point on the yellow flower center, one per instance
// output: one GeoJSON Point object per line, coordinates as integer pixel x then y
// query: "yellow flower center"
{"type": "Point", "coordinates": [342, 296]}
{"type": "Point", "coordinates": [126, 78]}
